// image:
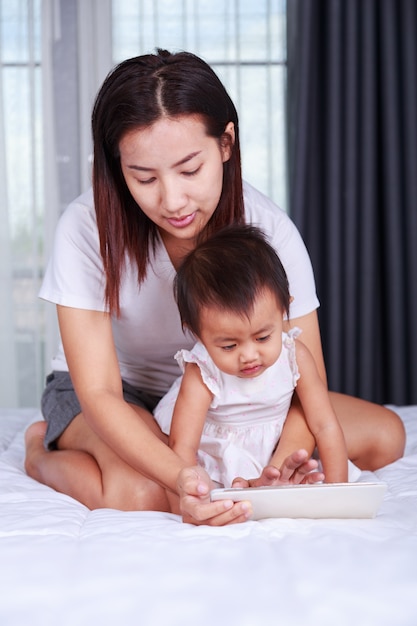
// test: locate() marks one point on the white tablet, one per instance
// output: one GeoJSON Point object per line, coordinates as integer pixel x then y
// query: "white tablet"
{"type": "Point", "coordinates": [324, 500]}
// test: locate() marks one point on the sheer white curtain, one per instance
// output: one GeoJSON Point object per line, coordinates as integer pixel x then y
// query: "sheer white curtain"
{"type": "Point", "coordinates": [53, 56]}
{"type": "Point", "coordinates": [76, 57]}
{"type": "Point", "coordinates": [20, 177]}
{"type": "Point", "coordinates": [7, 344]}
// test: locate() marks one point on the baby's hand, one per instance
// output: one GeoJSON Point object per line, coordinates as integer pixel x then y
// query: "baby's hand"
{"type": "Point", "coordinates": [297, 469]}
{"type": "Point", "coordinates": [270, 477]}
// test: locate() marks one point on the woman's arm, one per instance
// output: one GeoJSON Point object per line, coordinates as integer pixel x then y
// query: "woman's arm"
{"type": "Point", "coordinates": [92, 360]}
{"type": "Point", "coordinates": [321, 418]}
{"type": "Point", "coordinates": [190, 411]}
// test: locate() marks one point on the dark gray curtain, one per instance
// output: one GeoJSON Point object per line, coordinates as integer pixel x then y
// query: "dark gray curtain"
{"type": "Point", "coordinates": [352, 109]}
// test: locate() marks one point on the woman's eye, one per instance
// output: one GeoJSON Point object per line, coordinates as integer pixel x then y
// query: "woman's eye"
{"type": "Point", "coordinates": [148, 181]}
{"type": "Point", "coordinates": [192, 172]}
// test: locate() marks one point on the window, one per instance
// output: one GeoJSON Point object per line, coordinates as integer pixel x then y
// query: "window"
{"type": "Point", "coordinates": [21, 185]}
{"type": "Point", "coordinates": [245, 43]}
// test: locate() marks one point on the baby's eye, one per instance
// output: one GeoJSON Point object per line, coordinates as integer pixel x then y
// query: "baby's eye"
{"type": "Point", "coordinates": [263, 338]}
{"type": "Point", "coordinates": [229, 347]}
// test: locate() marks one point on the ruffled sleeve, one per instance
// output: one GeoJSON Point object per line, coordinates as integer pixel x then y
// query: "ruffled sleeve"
{"type": "Point", "coordinates": [209, 372]}
{"type": "Point", "coordinates": [289, 343]}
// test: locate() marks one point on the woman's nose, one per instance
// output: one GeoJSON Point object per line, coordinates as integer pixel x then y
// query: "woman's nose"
{"type": "Point", "coordinates": [173, 198]}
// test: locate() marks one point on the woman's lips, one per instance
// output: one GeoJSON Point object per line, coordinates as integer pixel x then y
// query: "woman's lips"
{"type": "Point", "coordinates": [181, 222]}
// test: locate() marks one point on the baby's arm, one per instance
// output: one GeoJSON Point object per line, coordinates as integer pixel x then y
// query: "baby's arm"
{"type": "Point", "coordinates": [321, 418]}
{"type": "Point", "coordinates": [190, 412]}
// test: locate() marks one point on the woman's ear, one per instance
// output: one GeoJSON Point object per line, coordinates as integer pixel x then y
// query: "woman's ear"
{"type": "Point", "coordinates": [284, 316]}
{"type": "Point", "coordinates": [227, 141]}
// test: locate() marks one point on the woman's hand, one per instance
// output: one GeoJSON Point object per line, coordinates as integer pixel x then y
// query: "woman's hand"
{"type": "Point", "coordinates": [193, 486]}
{"type": "Point", "coordinates": [297, 469]}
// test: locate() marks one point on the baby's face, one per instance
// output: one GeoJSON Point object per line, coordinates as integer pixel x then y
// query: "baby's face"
{"type": "Point", "coordinates": [244, 346]}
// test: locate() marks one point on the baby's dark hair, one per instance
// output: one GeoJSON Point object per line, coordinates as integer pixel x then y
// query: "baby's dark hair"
{"type": "Point", "coordinates": [229, 271]}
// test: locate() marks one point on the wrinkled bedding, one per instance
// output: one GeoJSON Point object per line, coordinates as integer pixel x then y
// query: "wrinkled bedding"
{"type": "Point", "coordinates": [63, 564]}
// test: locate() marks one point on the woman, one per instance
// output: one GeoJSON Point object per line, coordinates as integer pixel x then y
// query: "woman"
{"type": "Point", "coordinates": [166, 174]}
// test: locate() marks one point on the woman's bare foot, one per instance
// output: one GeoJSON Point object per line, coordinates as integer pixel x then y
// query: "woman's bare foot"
{"type": "Point", "coordinates": [34, 437]}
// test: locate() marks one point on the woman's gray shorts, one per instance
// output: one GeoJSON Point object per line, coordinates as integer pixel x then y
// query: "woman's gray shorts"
{"type": "Point", "coordinates": [60, 405]}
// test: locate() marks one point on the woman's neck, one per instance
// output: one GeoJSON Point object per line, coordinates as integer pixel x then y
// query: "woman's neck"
{"type": "Point", "coordinates": [177, 249]}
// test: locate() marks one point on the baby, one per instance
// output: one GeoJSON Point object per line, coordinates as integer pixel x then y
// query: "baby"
{"type": "Point", "coordinates": [226, 412]}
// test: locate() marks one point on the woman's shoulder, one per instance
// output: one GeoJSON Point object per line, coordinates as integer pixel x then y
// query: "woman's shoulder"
{"type": "Point", "coordinates": [274, 221]}
{"type": "Point", "coordinates": [77, 224]}
{"type": "Point", "coordinates": [80, 208]}
{"type": "Point", "coordinates": [288, 243]}
{"type": "Point", "coordinates": [76, 236]}
{"type": "Point", "coordinates": [258, 204]}
{"type": "Point", "coordinates": [263, 212]}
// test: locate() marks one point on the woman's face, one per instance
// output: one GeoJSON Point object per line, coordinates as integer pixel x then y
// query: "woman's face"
{"type": "Point", "coordinates": [174, 171]}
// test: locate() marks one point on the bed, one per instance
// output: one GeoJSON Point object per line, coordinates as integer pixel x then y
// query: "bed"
{"type": "Point", "coordinates": [62, 564]}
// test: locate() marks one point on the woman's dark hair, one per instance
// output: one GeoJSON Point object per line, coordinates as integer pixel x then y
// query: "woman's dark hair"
{"type": "Point", "coordinates": [135, 94]}
{"type": "Point", "coordinates": [229, 271]}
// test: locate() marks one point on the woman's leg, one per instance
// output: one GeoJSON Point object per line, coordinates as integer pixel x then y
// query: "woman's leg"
{"type": "Point", "coordinates": [85, 468]}
{"type": "Point", "coordinates": [374, 435]}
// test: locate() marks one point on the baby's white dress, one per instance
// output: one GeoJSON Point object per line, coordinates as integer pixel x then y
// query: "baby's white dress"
{"type": "Point", "coordinates": [246, 416]}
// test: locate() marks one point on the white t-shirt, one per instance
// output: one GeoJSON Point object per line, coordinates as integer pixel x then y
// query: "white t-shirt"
{"type": "Point", "coordinates": [148, 333]}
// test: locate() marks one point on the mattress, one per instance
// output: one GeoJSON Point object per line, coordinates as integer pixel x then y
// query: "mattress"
{"type": "Point", "coordinates": [63, 564]}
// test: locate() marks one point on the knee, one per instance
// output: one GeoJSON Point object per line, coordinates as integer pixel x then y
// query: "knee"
{"type": "Point", "coordinates": [395, 438]}
{"type": "Point", "coordinates": [389, 443]}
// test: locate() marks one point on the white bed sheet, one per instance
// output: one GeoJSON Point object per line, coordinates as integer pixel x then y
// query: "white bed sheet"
{"type": "Point", "coordinates": [62, 564]}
